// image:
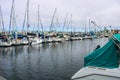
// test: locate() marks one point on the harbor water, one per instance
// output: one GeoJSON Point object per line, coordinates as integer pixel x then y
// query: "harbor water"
{"type": "Point", "coordinates": [50, 61]}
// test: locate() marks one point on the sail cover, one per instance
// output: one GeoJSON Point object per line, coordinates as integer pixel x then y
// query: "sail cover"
{"type": "Point", "coordinates": [106, 56]}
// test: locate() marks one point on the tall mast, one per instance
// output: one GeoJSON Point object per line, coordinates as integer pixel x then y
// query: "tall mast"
{"type": "Point", "coordinates": [57, 23]}
{"type": "Point", "coordinates": [2, 22]}
{"type": "Point", "coordinates": [24, 20]}
{"type": "Point", "coordinates": [39, 20]}
{"type": "Point", "coordinates": [28, 25]}
{"type": "Point", "coordinates": [89, 24]}
{"type": "Point", "coordinates": [71, 22]}
{"type": "Point", "coordinates": [65, 21]}
{"type": "Point", "coordinates": [12, 18]}
{"type": "Point", "coordinates": [85, 26]}
{"type": "Point", "coordinates": [52, 19]}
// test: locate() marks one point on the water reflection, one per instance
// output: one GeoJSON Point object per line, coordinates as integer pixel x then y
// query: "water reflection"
{"type": "Point", "coordinates": [50, 61]}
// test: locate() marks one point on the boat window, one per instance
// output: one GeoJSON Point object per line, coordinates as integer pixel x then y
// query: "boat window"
{"type": "Point", "coordinates": [98, 77]}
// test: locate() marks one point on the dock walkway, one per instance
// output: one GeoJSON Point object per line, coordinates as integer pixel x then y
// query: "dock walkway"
{"type": "Point", "coordinates": [2, 78]}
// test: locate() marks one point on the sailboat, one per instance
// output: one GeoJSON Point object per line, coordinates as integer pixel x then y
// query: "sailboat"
{"type": "Point", "coordinates": [102, 63]}
{"type": "Point", "coordinates": [53, 35]}
{"type": "Point", "coordinates": [65, 29]}
{"type": "Point", "coordinates": [4, 39]}
{"type": "Point", "coordinates": [37, 39]}
{"type": "Point", "coordinates": [18, 38]}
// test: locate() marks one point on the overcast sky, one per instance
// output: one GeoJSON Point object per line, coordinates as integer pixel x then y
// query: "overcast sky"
{"type": "Point", "coordinates": [103, 12]}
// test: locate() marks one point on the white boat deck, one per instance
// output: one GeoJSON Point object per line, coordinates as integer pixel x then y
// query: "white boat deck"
{"type": "Point", "coordinates": [93, 73]}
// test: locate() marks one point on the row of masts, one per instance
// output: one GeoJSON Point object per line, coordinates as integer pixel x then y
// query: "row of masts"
{"type": "Point", "coordinates": [13, 24]}
{"type": "Point", "coordinates": [15, 37]}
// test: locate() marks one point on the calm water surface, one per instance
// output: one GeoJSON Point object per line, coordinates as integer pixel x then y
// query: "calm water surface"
{"type": "Point", "coordinates": [52, 61]}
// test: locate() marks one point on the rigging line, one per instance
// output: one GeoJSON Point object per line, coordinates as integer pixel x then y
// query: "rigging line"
{"type": "Point", "coordinates": [65, 21]}
{"type": "Point", "coordinates": [71, 22]}
{"type": "Point", "coordinates": [27, 12]}
{"type": "Point", "coordinates": [24, 19]}
{"type": "Point", "coordinates": [39, 19]}
{"type": "Point", "coordinates": [14, 20]}
{"type": "Point", "coordinates": [2, 18]}
{"type": "Point", "coordinates": [53, 19]}
{"type": "Point", "coordinates": [11, 16]}
{"type": "Point", "coordinates": [26, 15]}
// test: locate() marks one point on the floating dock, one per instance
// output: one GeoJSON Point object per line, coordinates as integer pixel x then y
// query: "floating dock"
{"type": "Point", "coordinates": [2, 78]}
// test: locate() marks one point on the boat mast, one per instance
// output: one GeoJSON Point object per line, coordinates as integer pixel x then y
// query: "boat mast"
{"type": "Point", "coordinates": [1, 20]}
{"type": "Point", "coordinates": [85, 26]}
{"type": "Point", "coordinates": [28, 25]}
{"type": "Point", "coordinates": [12, 18]}
{"type": "Point", "coordinates": [65, 21]}
{"type": "Point", "coordinates": [89, 24]}
{"type": "Point", "coordinates": [39, 20]}
{"type": "Point", "coordinates": [24, 20]}
{"type": "Point", "coordinates": [71, 22]}
{"type": "Point", "coordinates": [52, 20]}
{"type": "Point", "coordinates": [26, 16]}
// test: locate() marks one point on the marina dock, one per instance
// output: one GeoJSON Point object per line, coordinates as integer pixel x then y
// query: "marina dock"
{"type": "Point", "coordinates": [1, 78]}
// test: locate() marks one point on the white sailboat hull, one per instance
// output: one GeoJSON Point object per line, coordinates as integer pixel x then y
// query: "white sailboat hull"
{"type": "Point", "coordinates": [5, 44]}
{"type": "Point", "coordinates": [17, 42]}
{"type": "Point", "coordinates": [36, 41]}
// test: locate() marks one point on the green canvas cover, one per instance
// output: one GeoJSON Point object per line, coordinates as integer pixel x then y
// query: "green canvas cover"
{"type": "Point", "coordinates": [106, 56]}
